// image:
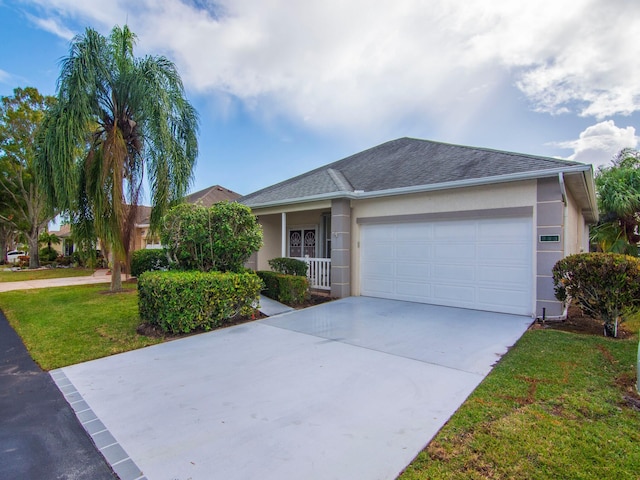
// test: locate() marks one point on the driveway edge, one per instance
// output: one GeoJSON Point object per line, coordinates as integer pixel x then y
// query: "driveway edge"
{"type": "Point", "coordinates": [105, 443]}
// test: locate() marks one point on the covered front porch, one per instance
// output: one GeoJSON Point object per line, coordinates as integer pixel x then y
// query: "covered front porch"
{"type": "Point", "coordinates": [317, 234]}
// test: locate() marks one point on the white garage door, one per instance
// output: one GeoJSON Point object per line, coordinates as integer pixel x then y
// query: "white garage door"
{"type": "Point", "coordinates": [480, 264]}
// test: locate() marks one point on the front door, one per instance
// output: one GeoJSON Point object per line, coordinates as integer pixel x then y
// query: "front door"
{"type": "Point", "coordinates": [302, 242]}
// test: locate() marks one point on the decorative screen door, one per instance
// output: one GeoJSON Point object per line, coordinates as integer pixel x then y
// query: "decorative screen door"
{"type": "Point", "coordinates": [302, 242]}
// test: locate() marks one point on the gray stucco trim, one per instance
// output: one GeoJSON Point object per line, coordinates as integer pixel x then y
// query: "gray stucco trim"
{"type": "Point", "coordinates": [550, 220]}
{"type": "Point", "coordinates": [340, 248]}
{"type": "Point", "coordinates": [453, 215]}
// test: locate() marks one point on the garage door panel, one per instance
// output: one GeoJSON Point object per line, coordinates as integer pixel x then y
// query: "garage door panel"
{"type": "Point", "coordinates": [409, 233]}
{"type": "Point", "coordinates": [381, 235]}
{"type": "Point", "coordinates": [413, 270]}
{"type": "Point", "coordinates": [377, 252]}
{"type": "Point", "coordinates": [454, 292]}
{"type": "Point", "coordinates": [455, 252]}
{"type": "Point", "coordinates": [484, 264]}
{"type": "Point", "coordinates": [380, 269]}
{"type": "Point", "coordinates": [505, 297]}
{"type": "Point", "coordinates": [500, 253]}
{"type": "Point", "coordinates": [411, 251]}
{"type": "Point", "coordinates": [414, 289]}
{"type": "Point", "coordinates": [454, 230]}
{"type": "Point", "coordinates": [491, 274]}
{"type": "Point", "coordinates": [448, 272]}
{"type": "Point", "coordinates": [381, 287]}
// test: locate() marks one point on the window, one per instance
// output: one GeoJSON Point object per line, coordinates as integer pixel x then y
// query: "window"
{"type": "Point", "coordinates": [302, 242]}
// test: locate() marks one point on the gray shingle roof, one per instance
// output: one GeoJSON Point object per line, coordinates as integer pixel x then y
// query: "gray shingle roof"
{"type": "Point", "coordinates": [401, 163]}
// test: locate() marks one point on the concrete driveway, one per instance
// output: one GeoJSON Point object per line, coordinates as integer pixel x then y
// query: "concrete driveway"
{"type": "Point", "coordinates": [349, 389]}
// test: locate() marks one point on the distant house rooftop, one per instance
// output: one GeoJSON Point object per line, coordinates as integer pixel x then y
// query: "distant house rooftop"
{"type": "Point", "coordinates": [211, 195]}
{"type": "Point", "coordinates": [205, 198]}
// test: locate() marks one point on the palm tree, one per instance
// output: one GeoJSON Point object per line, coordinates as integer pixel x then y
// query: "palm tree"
{"type": "Point", "coordinates": [619, 204]}
{"type": "Point", "coordinates": [117, 118]}
{"type": "Point", "coordinates": [49, 238]}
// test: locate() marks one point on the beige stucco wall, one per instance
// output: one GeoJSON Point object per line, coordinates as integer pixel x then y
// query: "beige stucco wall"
{"type": "Point", "coordinates": [272, 228]}
{"type": "Point", "coordinates": [574, 227]}
{"type": "Point", "coordinates": [505, 195]}
{"type": "Point", "coordinates": [271, 231]}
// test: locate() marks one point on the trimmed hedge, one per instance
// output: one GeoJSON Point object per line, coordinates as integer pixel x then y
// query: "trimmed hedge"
{"type": "Point", "coordinates": [148, 261]}
{"type": "Point", "coordinates": [180, 302]}
{"type": "Point", "coordinates": [289, 266]}
{"type": "Point", "coordinates": [287, 289]}
{"type": "Point", "coordinates": [603, 284]}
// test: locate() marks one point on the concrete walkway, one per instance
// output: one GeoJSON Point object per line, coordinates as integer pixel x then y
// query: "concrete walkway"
{"type": "Point", "coordinates": [267, 306]}
{"type": "Point", "coordinates": [99, 276]}
{"type": "Point", "coordinates": [353, 388]}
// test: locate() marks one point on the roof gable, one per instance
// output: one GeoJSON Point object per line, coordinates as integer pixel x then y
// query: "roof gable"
{"type": "Point", "coordinates": [404, 163]}
{"type": "Point", "coordinates": [211, 195]}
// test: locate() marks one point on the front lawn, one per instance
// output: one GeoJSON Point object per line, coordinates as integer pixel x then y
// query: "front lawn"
{"type": "Point", "coordinates": [558, 405]}
{"type": "Point", "coordinates": [66, 325]}
{"type": "Point", "coordinates": [24, 275]}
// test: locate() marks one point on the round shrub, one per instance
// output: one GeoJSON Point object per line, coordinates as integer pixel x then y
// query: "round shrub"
{"type": "Point", "coordinates": [604, 285]}
{"type": "Point", "coordinates": [221, 237]}
{"type": "Point", "coordinates": [289, 266]}
{"type": "Point", "coordinates": [48, 254]}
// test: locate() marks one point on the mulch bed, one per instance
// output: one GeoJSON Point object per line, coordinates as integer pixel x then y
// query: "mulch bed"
{"type": "Point", "coordinates": [578, 322]}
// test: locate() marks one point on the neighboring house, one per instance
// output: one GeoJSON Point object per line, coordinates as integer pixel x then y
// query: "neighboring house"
{"type": "Point", "coordinates": [435, 223]}
{"type": "Point", "coordinates": [65, 247]}
{"type": "Point", "coordinates": [207, 197]}
{"type": "Point", "coordinates": [141, 237]}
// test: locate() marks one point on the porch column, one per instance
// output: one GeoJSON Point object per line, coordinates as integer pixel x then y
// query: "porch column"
{"type": "Point", "coordinates": [283, 250]}
{"type": "Point", "coordinates": [340, 248]}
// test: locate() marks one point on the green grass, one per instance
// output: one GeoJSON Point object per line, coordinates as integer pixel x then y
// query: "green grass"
{"type": "Point", "coordinates": [24, 275]}
{"type": "Point", "coordinates": [66, 325]}
{"type": "Point", "coordinates": [554, 407]}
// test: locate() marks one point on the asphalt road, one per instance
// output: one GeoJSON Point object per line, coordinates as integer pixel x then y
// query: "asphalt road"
{"type": "Point", "coordinates": [40, 436]}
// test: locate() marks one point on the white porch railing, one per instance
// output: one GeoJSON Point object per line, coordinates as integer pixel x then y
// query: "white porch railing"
{"type": "Point", "coordinates": [319, 272]}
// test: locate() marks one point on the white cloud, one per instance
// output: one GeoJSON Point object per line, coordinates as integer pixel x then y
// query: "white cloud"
{"type": "Point", "coordinates": [4, 76]}
{"type": "Point", "coordinates": [353, 65]}
{"type": "Point", "coordinates": [52, 25]}
{"type": "Point", "coordinates": [599, 143]}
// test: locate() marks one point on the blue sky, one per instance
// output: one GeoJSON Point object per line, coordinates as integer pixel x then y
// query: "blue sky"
{"type": "Point", "coordinates": [283, 86]}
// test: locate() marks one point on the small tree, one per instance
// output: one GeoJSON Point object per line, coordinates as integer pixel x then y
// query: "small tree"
{"type": "Point", "coordinates": [23, 206]}
{"type": "Point", "coordinates": [221, 237]}
{"type": "Point", "coordinates": [604, 285]}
